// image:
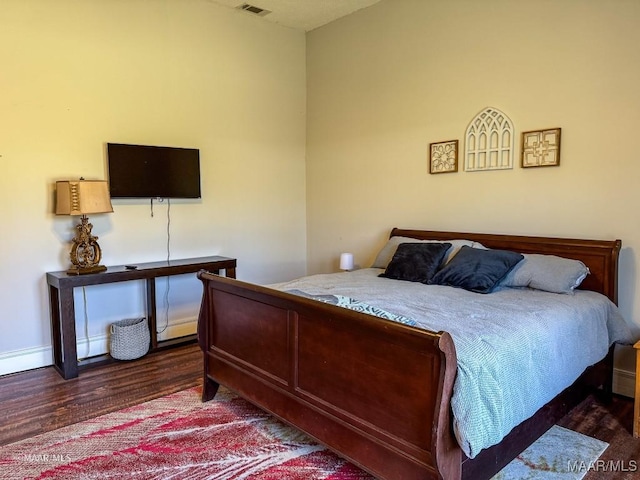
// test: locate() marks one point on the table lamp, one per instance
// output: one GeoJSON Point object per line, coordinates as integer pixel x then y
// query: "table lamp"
{"type": "Point", "coordinates": [83, 197]}
{"type": "Point", "coordinates": [346, 261]}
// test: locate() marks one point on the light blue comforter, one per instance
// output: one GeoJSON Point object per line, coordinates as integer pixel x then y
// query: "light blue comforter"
{"type": "Point", "coordinates": [516, 348]}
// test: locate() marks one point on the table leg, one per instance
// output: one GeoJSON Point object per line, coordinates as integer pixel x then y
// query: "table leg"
{"type": "Point", "coordinates": [151, 312]}
{"type": "Point", "coordinates": [64, 329]}
{"type": "Point", "coordinates": [56, 335]}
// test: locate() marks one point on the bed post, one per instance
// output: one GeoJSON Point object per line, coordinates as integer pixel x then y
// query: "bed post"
{"type": "Point", "coordinates": [209, 387]}
{"type": "Point", "coordinates": [448, 456]}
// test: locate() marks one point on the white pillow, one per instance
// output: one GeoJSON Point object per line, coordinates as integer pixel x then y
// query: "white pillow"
{"type": "Point", "coordinates": [386, 254]}
{"type": "Point", "coordinates": [547, 272]}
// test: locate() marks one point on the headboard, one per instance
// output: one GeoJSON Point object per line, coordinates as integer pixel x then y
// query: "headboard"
{"type": "Point", "coordinates": [600, 256]}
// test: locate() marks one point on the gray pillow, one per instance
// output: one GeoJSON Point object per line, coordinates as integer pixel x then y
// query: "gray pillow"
{"type": "Point", "coordinates": [386, 254]}
{"type": "Point", "coordinates": [547, 272]}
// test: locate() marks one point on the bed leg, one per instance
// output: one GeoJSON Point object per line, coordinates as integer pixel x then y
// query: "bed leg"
{"type": "Point", "coordinates": [605, 395]}
{"type": "Point", "coordinates": [209, 388]}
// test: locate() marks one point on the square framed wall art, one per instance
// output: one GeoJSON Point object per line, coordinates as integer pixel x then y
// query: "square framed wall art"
{"type": "Point", "coordinates": [541, 148]}
{"type": "Point", "coordinates": [443, 157]}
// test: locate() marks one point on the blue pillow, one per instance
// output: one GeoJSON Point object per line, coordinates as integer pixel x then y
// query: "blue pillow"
{"type": "Point", "coordinates": [416, 262]}
{"type": "Point", "coordinates": [477, 270]}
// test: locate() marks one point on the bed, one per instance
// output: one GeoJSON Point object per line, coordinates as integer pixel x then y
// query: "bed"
{"type": "Point", "coordinates": [375, 391]}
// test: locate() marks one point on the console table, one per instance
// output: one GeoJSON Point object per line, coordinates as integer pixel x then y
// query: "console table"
{"type": "Point", "coordinates": [62, 309]}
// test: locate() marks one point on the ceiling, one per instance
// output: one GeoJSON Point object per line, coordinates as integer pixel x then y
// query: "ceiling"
{"type": "Point", "coordinates": [301, 14]}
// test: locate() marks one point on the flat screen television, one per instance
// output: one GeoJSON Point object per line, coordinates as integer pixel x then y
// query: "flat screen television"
{"type": "Point", "coordinates": [144, 171]}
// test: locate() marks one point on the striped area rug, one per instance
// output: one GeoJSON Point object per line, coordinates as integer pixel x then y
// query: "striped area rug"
{"type": "Point", "coordinates": [179, 437]}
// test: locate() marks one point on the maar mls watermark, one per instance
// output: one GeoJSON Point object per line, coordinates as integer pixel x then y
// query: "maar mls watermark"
{"type": "Point", "coordinates": [45, 457]}
{"type": "Point", "coordinates": [579, 466]}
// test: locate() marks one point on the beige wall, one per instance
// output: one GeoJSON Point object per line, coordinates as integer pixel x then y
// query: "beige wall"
{"type": "Point", "coordinates": [387, 81]}
{"type": "Point", "coordinates": [77, 74]}
{"type": "Point", "coordinates": [382, 84]}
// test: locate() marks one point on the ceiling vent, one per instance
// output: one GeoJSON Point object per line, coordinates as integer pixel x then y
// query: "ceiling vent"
{"type": "Point", "coordinates": [261, 12]}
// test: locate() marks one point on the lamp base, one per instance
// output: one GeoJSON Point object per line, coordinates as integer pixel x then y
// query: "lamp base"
{"type": "Point", "coordinates": [85, 252]}
{"type": "Point", "coordinates": [85, 270]}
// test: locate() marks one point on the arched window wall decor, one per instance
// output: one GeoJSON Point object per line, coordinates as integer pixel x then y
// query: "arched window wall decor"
{"type": "Point", "coordinates": [489, 141]}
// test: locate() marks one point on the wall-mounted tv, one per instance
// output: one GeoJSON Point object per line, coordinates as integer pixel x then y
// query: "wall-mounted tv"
{"type": "Point", "coordinates": [144, 171]}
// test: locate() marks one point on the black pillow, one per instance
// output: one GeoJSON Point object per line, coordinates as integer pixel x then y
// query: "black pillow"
{"type": "Point", "coordinates": [416, 262]}
{"type": "Point", "coordinates": [476, 269]}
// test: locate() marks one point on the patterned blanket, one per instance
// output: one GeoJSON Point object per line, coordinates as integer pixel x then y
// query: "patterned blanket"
{"type": "Point", "coordinates": [357, 305]}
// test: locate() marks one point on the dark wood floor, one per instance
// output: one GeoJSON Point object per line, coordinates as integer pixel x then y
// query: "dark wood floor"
{"type": "Point", "coordinates": [40, 400]}
{"type": "Point", "coordinates": [611, 423]}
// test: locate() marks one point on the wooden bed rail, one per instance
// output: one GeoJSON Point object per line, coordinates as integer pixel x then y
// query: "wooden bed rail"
{"type": "Point", "coordinates": [375, 391]}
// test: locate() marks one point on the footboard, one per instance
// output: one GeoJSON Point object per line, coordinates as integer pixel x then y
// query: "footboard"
{"type": "Point", "coordinates": [374, 391]}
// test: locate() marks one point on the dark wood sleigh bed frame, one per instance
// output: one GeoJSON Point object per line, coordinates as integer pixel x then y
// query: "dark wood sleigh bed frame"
{"type": "Point", "coordinates": [374, 391]}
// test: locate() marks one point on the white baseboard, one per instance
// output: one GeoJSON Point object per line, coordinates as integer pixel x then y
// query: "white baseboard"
{"type": "Point", "coordinates": [178, 329]}
{"type": "Point", "coordinates": [37, 357]}
{"type": "Point", "coordinates": [26, 359]}
{"type": "Point", "coordinates": [624, 382]}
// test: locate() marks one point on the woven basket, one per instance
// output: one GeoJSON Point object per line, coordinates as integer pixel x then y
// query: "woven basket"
{"type": "Point", "coordinates": [129, 339]}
